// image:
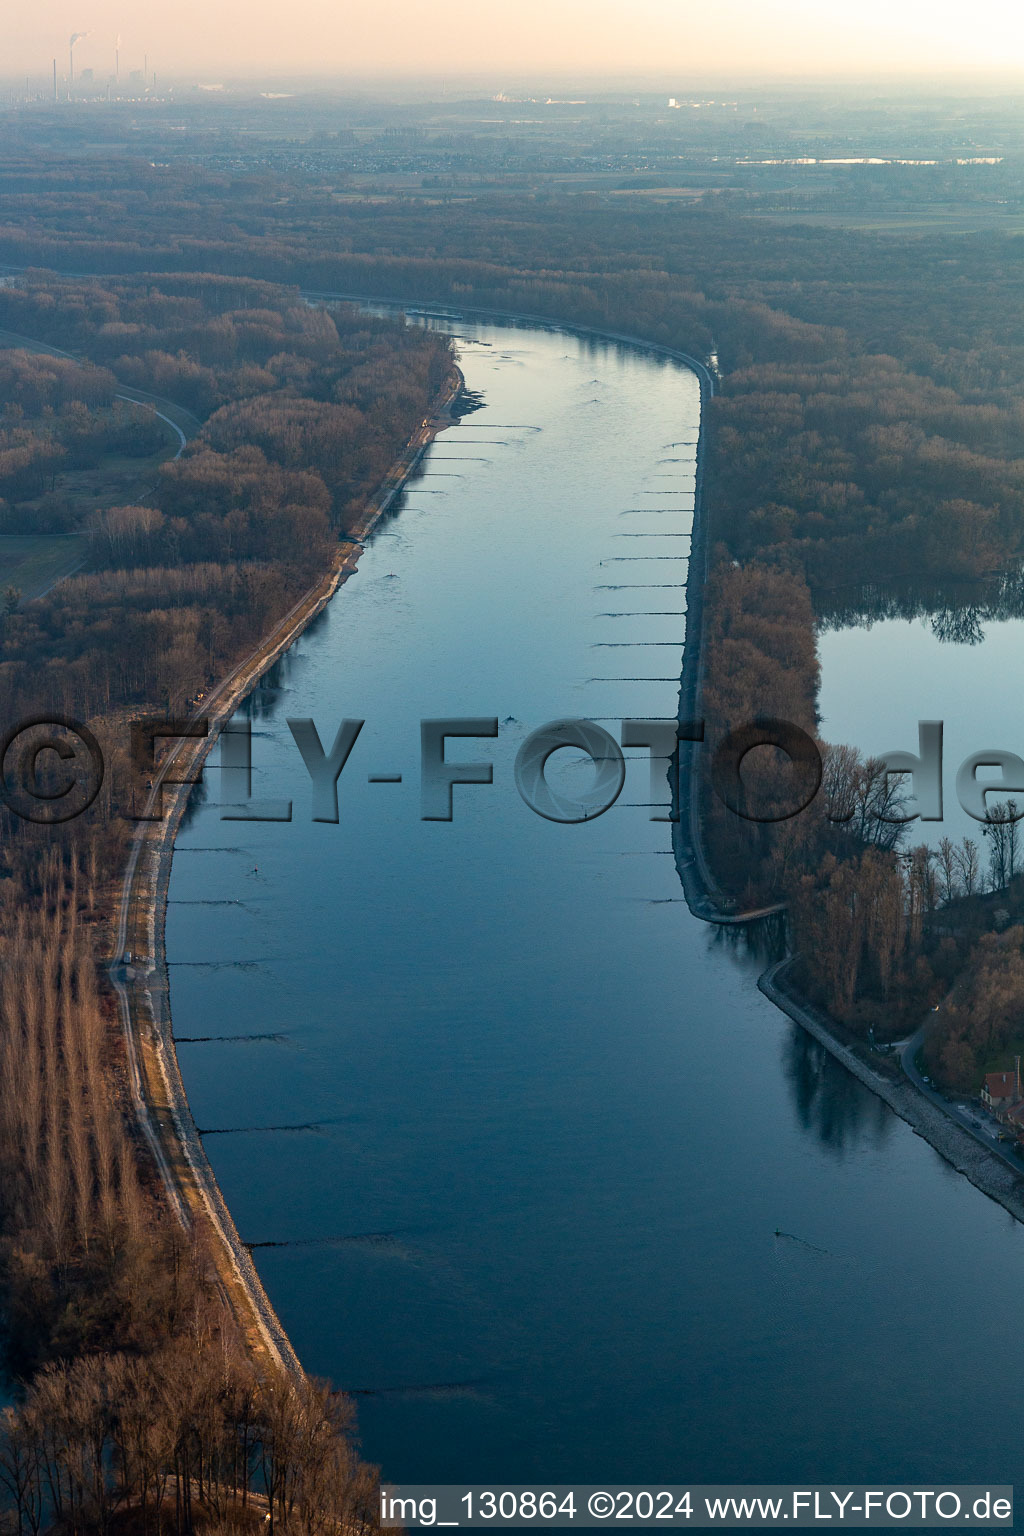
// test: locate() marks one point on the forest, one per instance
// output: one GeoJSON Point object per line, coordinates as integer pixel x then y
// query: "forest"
{"type": "Point", "coordinates": [302, 411]}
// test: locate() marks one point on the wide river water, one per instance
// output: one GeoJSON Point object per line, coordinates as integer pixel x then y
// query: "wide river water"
{"type": "Point", "coordinates": [524, 1128]}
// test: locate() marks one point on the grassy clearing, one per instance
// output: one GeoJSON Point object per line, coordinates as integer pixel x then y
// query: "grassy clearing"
{"type": "Point", "coordinates": [32, 562]}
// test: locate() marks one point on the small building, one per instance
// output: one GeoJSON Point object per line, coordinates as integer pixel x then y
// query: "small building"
{"type": "Point", "coordinates": [1000, 1092]}
{"type": "Point", "coordinates": [1015, 1120]}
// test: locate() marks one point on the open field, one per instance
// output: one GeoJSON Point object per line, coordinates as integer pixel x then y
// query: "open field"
{"type": "Point", "coordinates": [34, 562]}
{"type": "Point", "coordinates": [115, 481]}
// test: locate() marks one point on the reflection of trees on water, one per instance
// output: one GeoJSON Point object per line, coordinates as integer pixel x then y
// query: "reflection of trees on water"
{"type": "Point", "coordinates": [958, 610]}
{"type": "Point", "coordinates": [198, 797]}
{"type": "Point", "coordinates": [265, 701]}
{"type": "Point", "coordinates": [955, 626]}
{"type": "Point", "coordinates": [829, 1102]}
{"type": "Point", "coordinates": [752, 945]}
{"type": "Point", "coordinates": [467, 401]}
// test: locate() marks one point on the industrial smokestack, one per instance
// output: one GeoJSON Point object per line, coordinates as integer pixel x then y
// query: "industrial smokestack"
{"type": "Point", "coordinates": [117, 59]}
{"type": "Point", "coordinates": [75, 37]}
{"type": "Point", "coordinates": [55, 79]}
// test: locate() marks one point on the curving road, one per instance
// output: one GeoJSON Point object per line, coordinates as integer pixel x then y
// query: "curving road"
{"type": "Point", "coordinates": [974, 1124]}
{"type": "Point", "coordinates": [181, 422]}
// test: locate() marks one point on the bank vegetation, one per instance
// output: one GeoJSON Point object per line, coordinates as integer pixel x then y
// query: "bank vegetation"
{"type": "Point", "coordinates": [137, 1406]}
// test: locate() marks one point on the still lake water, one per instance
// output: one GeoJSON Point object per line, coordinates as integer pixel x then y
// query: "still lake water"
{"type": "Point", "coordinates": [967, 684]}
{"type": "Point", "coordinates": [543, 1118]}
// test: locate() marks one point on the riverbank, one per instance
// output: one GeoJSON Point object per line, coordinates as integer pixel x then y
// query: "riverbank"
{"type": "Point", "coordinates": [141, 984]}
{"type": "Point", "coordinates": [160, 1083]}
{"type": "Point", "coordinates": [427, 1096]}
{"type": "Point", "coordinates": [982, 1166]}
{"type": "Point", "coordinates": [985, 1169]}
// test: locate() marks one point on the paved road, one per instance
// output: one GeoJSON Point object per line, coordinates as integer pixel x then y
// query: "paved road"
{"type": "Point", "coordinates": [141, 997]}
{"type": "Point", "coordinates": [126, 978]}
{"type": "Point", "coordinates": [181, 422]}
{"type": "Point", "coordinates": [988, 1139]}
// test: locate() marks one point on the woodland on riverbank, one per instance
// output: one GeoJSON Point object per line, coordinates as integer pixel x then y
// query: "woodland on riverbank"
{"type": "Point", "coordinates": [138, 1405]}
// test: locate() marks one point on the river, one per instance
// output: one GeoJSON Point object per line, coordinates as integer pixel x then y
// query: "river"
{"type": "Point", "coordinates": [526, 1129]}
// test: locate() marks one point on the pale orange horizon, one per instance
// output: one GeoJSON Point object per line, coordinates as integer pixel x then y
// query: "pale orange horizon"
{"type": "Point", "coordinates": [671, 39]}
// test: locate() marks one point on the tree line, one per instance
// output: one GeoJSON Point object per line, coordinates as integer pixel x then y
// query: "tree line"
{"type": "Point", "coordinates": [138, 1406]}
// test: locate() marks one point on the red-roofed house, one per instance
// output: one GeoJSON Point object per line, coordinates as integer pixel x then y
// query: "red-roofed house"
{"type": "Point", "coordinates": [1000, 1092]}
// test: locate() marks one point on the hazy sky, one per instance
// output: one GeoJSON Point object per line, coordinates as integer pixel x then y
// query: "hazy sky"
{"type": "Point", "coordinates": [675, 38]}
